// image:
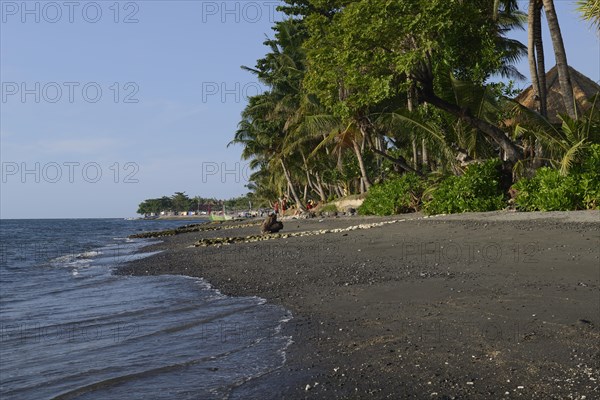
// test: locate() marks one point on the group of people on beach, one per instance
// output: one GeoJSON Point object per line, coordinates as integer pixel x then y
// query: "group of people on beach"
{"type": "Point", "coordinates": [281, 206]}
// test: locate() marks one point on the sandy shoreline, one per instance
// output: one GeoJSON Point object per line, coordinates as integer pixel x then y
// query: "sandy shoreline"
{"type": "Point", "coordinates": [493, 305]}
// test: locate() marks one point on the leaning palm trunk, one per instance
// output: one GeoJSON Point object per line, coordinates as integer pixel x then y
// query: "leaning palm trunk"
{"type": "Point", "coordinates": [291, 186]}
{"type": "Point", "coordinates": [308, 180]}
{"type": "Point", "coordinates": [361, 164]}
{"type": "Point", "coordinates": [320, 188]}
{"type": "Point", "coordinates": [339, 191]}
{"type": "Point", "coordinates": [512, 153]}
{"type": "Point", "coordinates": [313, 187]}
{"type": "Point", "coordinates": [561, 58]}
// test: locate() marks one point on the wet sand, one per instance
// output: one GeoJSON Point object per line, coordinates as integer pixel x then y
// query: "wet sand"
{"type": "Point", "coordinates": [483, 305]}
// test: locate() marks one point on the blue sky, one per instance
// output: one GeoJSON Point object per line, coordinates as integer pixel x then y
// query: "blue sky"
{"type": "Point", "coordinates": [105, 106]}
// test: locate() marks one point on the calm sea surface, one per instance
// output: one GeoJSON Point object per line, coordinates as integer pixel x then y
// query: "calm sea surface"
{"type": "Point", "coordinates": [69, 328]}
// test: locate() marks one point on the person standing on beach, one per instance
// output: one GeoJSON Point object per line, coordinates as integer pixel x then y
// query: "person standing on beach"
{"type": "Point", "coordinates": [276, 207]}
{"type": "Point", "coordinates": [283, 205]}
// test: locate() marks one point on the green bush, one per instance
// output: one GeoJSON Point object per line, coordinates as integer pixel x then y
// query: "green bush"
{"type": "Point", "coordinates": [589, 190]}
{"type": "Point", "coordinates": [396, 196]}
{"type": "Point", "coordinates": [548, 190]}
{"type": "Point", "coordinates": [590, 161]}
{"type": "Point", "coordinates": [587, 174]}
{"type": "Point", "coordinates": [477, 190]}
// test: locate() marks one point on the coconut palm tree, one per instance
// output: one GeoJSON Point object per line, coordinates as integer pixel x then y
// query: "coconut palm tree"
{"type": "Point", "coordinates": [262, 137]}
{"type": "Point", "coordinates": [508, 17]}
{"type": "Point", "coordinates": [268, 116]}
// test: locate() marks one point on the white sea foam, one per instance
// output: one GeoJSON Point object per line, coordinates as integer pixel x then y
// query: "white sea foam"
{"type": "Point", "coordinates": [62, 259]}
{"type": "Point", "coordinates": [88, 254]}
{"type": "Point", "coordinates": [76, 258]}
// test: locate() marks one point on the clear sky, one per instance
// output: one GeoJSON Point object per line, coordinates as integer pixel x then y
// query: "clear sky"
{"type": "Point", "coordinates": [105, 104]}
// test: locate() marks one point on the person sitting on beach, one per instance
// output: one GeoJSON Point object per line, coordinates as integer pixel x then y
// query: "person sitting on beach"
{"type": "Point", "coordinates": [271, 225]}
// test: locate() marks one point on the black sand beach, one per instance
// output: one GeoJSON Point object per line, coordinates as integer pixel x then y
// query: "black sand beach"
{"type": "Point", "coordinates": [485, 305]}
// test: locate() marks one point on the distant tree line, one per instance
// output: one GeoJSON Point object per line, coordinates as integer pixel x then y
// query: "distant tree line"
{"type": "Point", "coordinates": [181, 202]}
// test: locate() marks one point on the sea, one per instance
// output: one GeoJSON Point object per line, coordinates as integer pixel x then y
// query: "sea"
{"type": "Point", "coordinates": [72, 329]}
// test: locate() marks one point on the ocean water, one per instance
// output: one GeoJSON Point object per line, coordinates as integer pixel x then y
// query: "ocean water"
{"type": "Point", "coordinates": [70, 328]}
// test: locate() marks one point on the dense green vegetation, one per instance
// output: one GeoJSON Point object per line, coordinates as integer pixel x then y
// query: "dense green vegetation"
{"type": "Point", "coordinates": [549, 190]}
{"type": "Point", "coordinates": [479, 189]}
{"type": "Point", "coordinates": [385, 97]}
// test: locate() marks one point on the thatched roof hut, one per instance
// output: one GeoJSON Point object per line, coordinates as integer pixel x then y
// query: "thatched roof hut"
{"type": "Point", "coordinates": [583, 89]}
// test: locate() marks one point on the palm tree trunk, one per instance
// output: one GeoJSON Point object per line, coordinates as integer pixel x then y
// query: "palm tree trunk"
{"type": "Point", "coordinates": [313, 185]}
{"type": "Point", "coordinates": [535, 49]}
{"type": "Point", "coordinates": [400, 161]}
{"type": "Point", "coordinates": [410, 105]}
{"type": "Point", "coordinates": [541, 65]}
{"type": "Point", "coordinates": [291, 186]}
{"type": "Point", "coordinates": [561, 58]}
{"type": "Point", "coordinates": [415, 155]}
{"type": "Point", "coordinates": [361, 164]}
{"type": "Point", "coordinates": [381, 147]}
{"type": "Point", "coordinates": [510, 149]}
{"type": "Point", "coordinates": [426, 93]}
{"type": "Point", "coordinates": [320, 188]}
{"type": "Point", "coordinates": [537, 68]}
{"type": "Point", "coordinates": [308, 180]}
{"type": "Point", "coordinates": [425, 155]}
